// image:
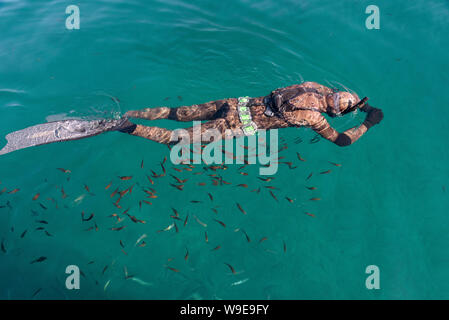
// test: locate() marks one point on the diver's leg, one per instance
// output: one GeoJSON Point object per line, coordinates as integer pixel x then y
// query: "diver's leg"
{"type": "Point", "coordinates": [162, 135]}
{"type": "Point", "coordinates": [204, 111]}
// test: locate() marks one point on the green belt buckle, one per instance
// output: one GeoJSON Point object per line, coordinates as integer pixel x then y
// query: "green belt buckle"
{"type": "Point", "coordinates": [249, 128]}
{"type": "Point", "coordinates": [243, 100]}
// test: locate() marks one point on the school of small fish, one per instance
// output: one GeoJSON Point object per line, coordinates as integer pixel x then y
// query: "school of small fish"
{"type": "Point", "coordinates": [133, 195]}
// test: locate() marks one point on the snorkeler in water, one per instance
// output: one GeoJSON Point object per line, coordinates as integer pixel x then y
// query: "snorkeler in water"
{"type": "Point", "coordinates": [293, 106]}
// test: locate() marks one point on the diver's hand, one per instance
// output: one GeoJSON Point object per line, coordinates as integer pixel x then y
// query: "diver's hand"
{"type": "Point", "coordinates": [373, 117]}
{"type": "Point", "coordinates": [367, 108]}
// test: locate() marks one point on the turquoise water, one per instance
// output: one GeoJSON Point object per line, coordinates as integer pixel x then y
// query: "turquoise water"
{"type": "Point", "coordinates": [386, 205]}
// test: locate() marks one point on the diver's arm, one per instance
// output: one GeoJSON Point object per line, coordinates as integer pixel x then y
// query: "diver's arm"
{"type": "Point", "coordinates": [322, 127]}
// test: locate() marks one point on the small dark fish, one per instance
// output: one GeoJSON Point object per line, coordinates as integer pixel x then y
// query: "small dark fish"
{"type": "Point", "coordinates": [230, 267]}
{"type": "Point", "coordinates": [3, 246]}
{"type": "Point", "coordinates": [274, 197]}
{"type": "Point", "coordinates": [114, 193]}
{"type": "Point", "coordinates": [311, 188]}
{"type": "Point", "coordinates": [195, 201]}
{"type": "Point", "coordinates": [175, 212]}
{"type": "Point", "coordinates": [315, 139]}
{"type": "Point", "coordinates": [309, 214]}
{"type": "Point", "coordinates": [63, 194]}
{"type": "Point", "coordinates": [263, 239]}
{"type": "Point", "coordinates": [23, 234]}
{"type": "Point", "coordinates": [117, 229]}
{"type": "Point", "coordinates": [87, 219]}
{"type": "Point", "coordinates": [40, 259]}
{"type": "Point", "coordinates": [108, 186]}
{"type": "Point", "coordinates": [206, 238]}
{"type": "Point", "coordinates": [284, 246]}
{"type": "Point", "coordinates": [299, 157]}
{"type": "Point", "coordinates": [256, 190]}
{"type": "Point", "coordinates": [186, 255]}
{"type": "Point", "coordinates": [141, 164]}
{"type": "Point", "coordinates": [181, 181]}
{"type": "Point", "coordinates": [216, 248]}
{"type": "Point", "coordinates": [121, 244]}
{"type": "Point", "coordinates": [310, 176]}
{"type": "Point", "coordinates": [185, 221]}
{"type": "Point", "coordinates": [104, 270]}
{"type": "Point", "coordinates": [289, 200]}
{"type": "Point", "coordinates": [126, 177]}
{"type": "Point", "coordinates": [64, 170]}
{"type": "Point", "coordinates": [242, 185]}
{"type": "Point", "coordinates": [266, 179]}
{"type": "Point", "coordinates": [325, 172]}
{"type": "Point", "coordinates": [210, 197]}
{"type": "Point", "coordinates": [42, 206]}
{"type": "Point", "coordinates": [240, 208]}
{"type": "Point", "coordinates": [13, 191]}
{"type": "Point", "coordinates": [220, 222]}
{"type": "Point", "coordinates": [172, 269]}
{"type": "Point", "coordinates": [179, 187]}
{"type": "Point", "coordinates": [42, 221]}
{"type": "Point", "coordinates": [315, 199]}
{"type": "Point", "coordinates": [36, 196]}
{"type": "Point", "coordinates": [246, 235]}
{"type": "Point", "coordinates": [48, 233]}
{"type": "Point", "coordinates": [335, 164]}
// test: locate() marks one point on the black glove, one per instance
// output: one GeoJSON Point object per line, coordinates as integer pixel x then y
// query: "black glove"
{"type": "Point", "coordinates": [374, 117]}
{"type": "Point", "coordinates": [367, 108]}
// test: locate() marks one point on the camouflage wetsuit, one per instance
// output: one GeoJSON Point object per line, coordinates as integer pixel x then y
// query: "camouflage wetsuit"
{"type": "Point", "coordinates": [306, 109]}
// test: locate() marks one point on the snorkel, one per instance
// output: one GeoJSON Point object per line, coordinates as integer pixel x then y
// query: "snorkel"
{"type": "Point", "coordinates": [358, 105]}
